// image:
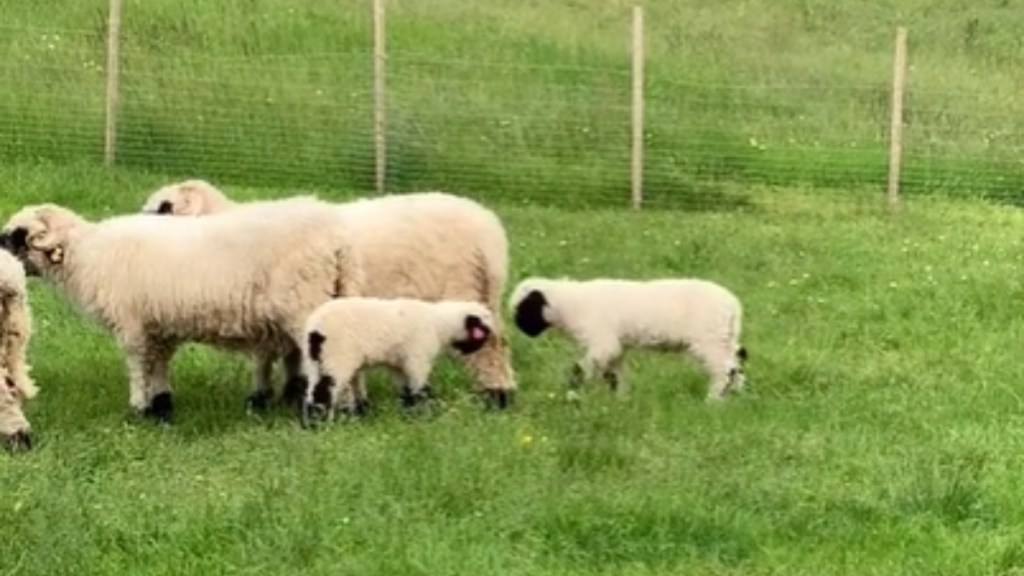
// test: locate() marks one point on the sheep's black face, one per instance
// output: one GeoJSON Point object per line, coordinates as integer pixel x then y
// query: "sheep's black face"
{"type": "Point", "coordinates": [477, 334]}
{"type": "Point", "coordinates": [530, 314]}
{"type": "Point", "coordinates": [165, 207]}
{"type": "Point", "coordinates": [16, 242]}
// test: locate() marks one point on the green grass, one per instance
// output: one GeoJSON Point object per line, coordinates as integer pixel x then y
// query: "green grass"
{"type": "Point", "coordinates": [881, 432]}
{"type": "Point", "coordinates": [527, 101]}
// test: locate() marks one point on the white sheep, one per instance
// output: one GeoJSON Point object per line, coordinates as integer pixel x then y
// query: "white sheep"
{"type": "Point", "coordinates": [15, 333]}
{"type": "Point", "coordinates": [244, 280]}
{"type": "Point", "coordinates": [346, 335]}
{"type": "Point", "coordinates": [606, 316]}
{"type": "Point", "coordinates": [187, 198]}
{"type": "Point", "coordinates": [428, 245]}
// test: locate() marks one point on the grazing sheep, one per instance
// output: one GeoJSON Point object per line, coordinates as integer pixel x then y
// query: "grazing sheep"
{"type": "Point", "coordinates": [244, 280]}
{"type": "Point", "coordinates": [15, 332]}
{"type": "Point", "coordinates": [606, 315]}
{"type": "Point", "coordinates": [345, 335]}
{"type": "Point", "coordinates": [428, 245]}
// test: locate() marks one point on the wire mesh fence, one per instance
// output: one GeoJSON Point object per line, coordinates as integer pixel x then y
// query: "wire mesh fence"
{"type": "Point", "coordinates": [285, 98]}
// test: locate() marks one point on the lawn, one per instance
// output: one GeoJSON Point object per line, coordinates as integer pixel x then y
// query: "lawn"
{"type": "Point", "coordinates": [880, 433]}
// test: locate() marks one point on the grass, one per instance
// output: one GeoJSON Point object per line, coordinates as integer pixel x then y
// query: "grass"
{"type": "Point", "coordinates": [880, 434]}
{"type": "Point", "coordinates": [527, 101]}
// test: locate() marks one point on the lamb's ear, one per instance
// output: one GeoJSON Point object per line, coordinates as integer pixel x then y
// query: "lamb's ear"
{"type": "Point", "coordinates": [529, 316]}
{"type": "Point", "coordinates": [476, 335]}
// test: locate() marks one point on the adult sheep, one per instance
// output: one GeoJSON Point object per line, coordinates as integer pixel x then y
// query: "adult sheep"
{"type": "Point", "coordinates": [16, 385]}
{"type": "Point", "coordinates": [427, 245]}
{"type": "Point", "coordinates": [606, 315]}
{"type": "Point", "coordinates": [346, 335]}
{"type": "Point", "coordinates": [244, 280]}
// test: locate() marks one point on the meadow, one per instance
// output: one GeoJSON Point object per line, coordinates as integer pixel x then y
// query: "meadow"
{"type": "Point", "coordinates": [881, 430]}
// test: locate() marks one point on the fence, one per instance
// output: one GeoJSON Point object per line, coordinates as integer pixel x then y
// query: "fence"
{"type": "Point", "coordinates": [608, 120]}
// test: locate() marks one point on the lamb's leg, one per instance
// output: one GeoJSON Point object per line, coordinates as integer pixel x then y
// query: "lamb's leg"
{"type": "Point", "coordinates": [492, 369]}
{"type": "Point", "coordinates": [148, 363]}
{"type": "Point", "coordinates": [417, 387]}
{"type": "Point", "coordinates": [720, 362]}
{"type": "Point", "coordinates": [262, 390]}
{"type": "Point", "coordinates": [599, 358]}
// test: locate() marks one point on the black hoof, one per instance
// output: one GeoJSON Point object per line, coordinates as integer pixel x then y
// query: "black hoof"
{"type": "Point", "coordinates": [311, 414]}
{"type": "Point", "coordinates": [259, 400]}
{"type": "Point", "coordinates": [160, 408]}
{"type": "Point", "coordinates": [500, 399]}
{"type": "Point", "coordinates": [294, 390]}
{"type": "Point", "coordinates": [411, 399]}
{"type": "Point", "coordinates": [20, 441]}
{"type": "Point", "coordinates": [613, 380]}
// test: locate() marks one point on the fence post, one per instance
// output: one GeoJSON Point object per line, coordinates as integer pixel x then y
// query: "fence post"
{"type": "Point", "coordinates": [899, 80]}
{"type": "Point", "coordinates": [638, 107]}
{"type": "Point", "coordinates": [379, 95]}
{"type": "Point", "coordinates": [113, 76]}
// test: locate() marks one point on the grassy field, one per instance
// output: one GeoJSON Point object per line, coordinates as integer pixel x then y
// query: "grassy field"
{"type": "Point", "coordinates": [880, 434]}
{"type": "Point", "coordinates": [527, 101]}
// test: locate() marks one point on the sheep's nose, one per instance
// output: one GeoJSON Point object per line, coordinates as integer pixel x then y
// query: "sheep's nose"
{"type": "Point", "coordinates": [20, 441]}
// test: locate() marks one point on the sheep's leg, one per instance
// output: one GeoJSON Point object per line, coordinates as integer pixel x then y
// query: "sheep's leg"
{"type": "Point", "coordinates": [263, 391]}
{"type": "Point", "coordinates": [148, 364]}
{"type": "Point", "coordinates": [493, 371]}
{"type": "Point", "coordinates": [295, 382]}
{"type": "Point", "coordinates": [15, 430]}
{"type": "Point", "coordinates": [614, 375]}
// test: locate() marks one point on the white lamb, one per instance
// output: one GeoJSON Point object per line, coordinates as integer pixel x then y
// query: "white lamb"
{"type": "Point", "coordinates": [187, 198]}
{"type": "Point", "coordinates": [605, 316]}
{"type": "Point", "coordinates": [345, 335]}
{"type": "Point", "coordinates": [244, 280]}
{"type": "Point", "coordinates": [429, 245]}
{"type": "Point", "coordinates": [15, 332]}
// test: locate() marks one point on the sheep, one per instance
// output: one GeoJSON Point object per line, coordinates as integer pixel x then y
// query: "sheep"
{"type": "Point", "coordinates": [187, 198]}
{"type": "Point", "coordinates": [345, 335]}
{"type": "Point", "coordinates": [244, 280]}
{"type": "Point", "coordinates": [426, 245]}
{"type": "Point", "coordinates": [606, 315]}
{"type": "Point", "coordinates": [15, 333]}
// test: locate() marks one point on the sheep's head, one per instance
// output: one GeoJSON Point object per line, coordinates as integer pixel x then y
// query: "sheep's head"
{"type": "Point", "coordinates": [476, 326]}
{"type": "Point", "coordinates": [187, 198]}
{"type": "Point", "coordinates": [15, 431]}
{"type": "Point", "coordinates": [38, 235]}
{"type": "Point", "coordinates": [528, 305]}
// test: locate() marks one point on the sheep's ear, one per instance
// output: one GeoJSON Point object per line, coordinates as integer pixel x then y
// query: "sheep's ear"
{"type": "Point", "coordinates": [529, 316]}
{"type": "Point", "coordinates": [47, 238]}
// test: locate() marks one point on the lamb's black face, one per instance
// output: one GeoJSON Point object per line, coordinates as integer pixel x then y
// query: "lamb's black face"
{"type": "Point", "coordinates": [477, 334]}
{"type": "Point", "coordinates": [165, 207]}
{"type": "Point", "coordinates": [16, 242]}
{"type": "Point", "coordinates": [530, 314]}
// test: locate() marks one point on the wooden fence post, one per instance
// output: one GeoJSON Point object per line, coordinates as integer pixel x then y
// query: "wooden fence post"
{"type": "Point", "coordinates": [379, 95]}
{"type": "Point", "coordinates": [113, 76]}
{"type": "Point", "coordinates": [899, 81]}
{"type": "Point", "coordinates": [638, 107]}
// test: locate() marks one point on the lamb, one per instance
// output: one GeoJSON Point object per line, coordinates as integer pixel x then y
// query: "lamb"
{"type": "Point", "coordinates": [15, 333]}
{"type": "Point", "coordinates": [345, 335]}
{"type": "Point", "coordinates": [427, 245]}
{"type": "Point", "coordinates": [606, 315]}
{"type": "Point", "coordinates": [244, 280]}
{"type": "Point", "coordinates": [187, 198]}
